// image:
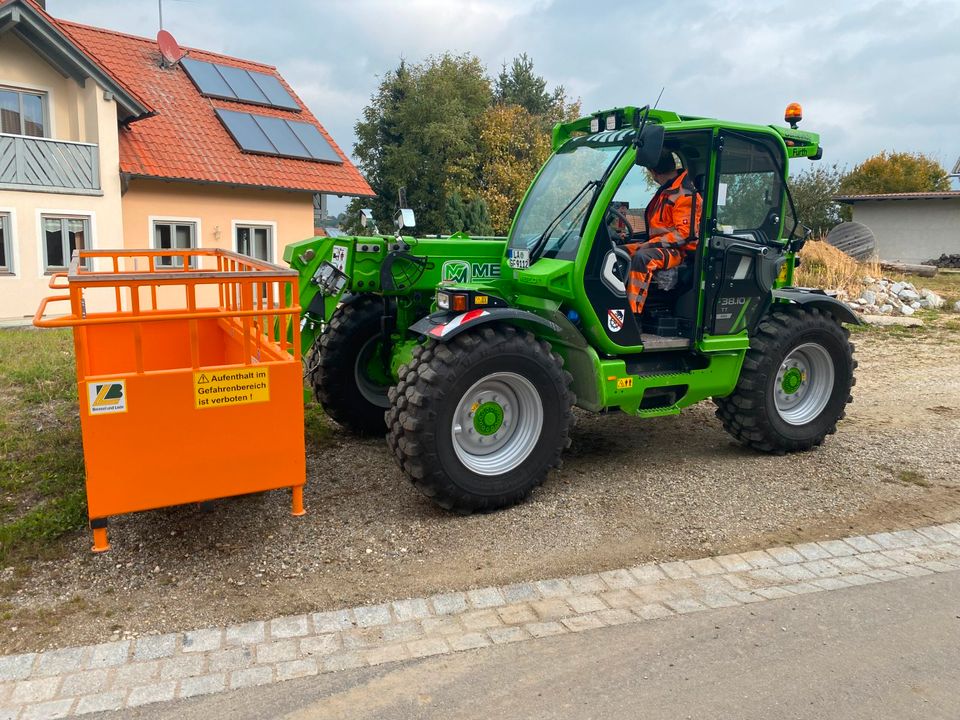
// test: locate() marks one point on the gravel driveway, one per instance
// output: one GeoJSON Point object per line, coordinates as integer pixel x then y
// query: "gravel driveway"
{"type": "Point", "coordinates": [630, 491]}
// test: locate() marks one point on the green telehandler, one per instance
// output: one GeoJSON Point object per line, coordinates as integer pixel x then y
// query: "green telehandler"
{"type": "Point", "coordinates": [470, 353]}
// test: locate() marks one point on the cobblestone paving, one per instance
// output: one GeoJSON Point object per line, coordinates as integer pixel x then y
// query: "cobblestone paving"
{"type": "Point", "coordinates": [130, 673]}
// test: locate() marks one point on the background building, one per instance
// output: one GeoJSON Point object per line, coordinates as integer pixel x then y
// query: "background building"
{"type": "Point", "coordinates": [910, 227]}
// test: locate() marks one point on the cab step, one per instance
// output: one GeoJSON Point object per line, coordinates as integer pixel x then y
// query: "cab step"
{"type": "Point", "coordinates": [663, 342]}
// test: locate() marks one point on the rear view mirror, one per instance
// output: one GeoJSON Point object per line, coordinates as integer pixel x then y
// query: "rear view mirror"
{"type": "Point", "coordinates": [649, 145]}
{"type": "Point", "coordinates": [366, 217]}
{"type": "Point", "coordinates": [405, 219]}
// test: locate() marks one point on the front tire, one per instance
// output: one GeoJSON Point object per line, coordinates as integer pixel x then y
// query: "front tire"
{"type": "Point", "coordinates": [794, 385]}
{"type": "Point", "coordinates": [477, 423]}
{"type": "Point", "coordinates": [350, 381]}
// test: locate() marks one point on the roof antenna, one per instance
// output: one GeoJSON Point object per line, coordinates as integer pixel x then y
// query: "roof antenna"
{"type": "Point", "coordinates": [160, 9]}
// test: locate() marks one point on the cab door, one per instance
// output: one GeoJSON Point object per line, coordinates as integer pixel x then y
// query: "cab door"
{"type": "Point", "coordinates": [745, 251]}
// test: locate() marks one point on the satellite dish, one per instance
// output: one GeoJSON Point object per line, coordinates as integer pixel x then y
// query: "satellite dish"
{"type": "Point", "coordinates": [170, 50]}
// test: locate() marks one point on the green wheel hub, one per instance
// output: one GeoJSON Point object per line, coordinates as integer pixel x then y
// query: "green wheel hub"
{"type": "Point", "coordinates": [488, 418]}
{"type": "Point", "coordinates": [792, 380]}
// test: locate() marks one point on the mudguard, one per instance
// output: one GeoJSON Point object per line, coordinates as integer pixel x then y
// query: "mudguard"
{"type": "Point", "coordinates": [809, 297]}
{"type": "Point", "coordinates": [444, 326]}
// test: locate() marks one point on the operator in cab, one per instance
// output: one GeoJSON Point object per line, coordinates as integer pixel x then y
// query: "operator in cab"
{"type": "Point", "coordinates": [672, 221]}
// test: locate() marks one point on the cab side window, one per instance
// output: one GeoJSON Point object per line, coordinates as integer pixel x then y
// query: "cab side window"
{"type": "Point", "coordinates": [749, 190]}
{"type": "Point", "coordinates": [633, 196]}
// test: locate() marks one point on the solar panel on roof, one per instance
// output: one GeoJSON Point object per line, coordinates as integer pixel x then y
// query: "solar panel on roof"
{"type": "Point", "coordinates": [233, 83]}
{"type": "Point", "coordinates": [243, 85]}
{"type": "Point", "coordinates": [276, 93]}
{"type": "Point", "coordinates": [207, 79]}
{"type": "Point", "coordinates": [282, 137]}
{"type": "Point", "coordinates": [276, 136]}
{"type": "Point", "coordinates": [315, 143]}
{"type": "Point", "coordinates": [245, 131]}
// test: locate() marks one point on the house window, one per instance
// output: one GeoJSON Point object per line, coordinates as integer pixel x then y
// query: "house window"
{"type": "Point", "coordinates": [23, 112]}
{"type": "Point", "coordinates": [61, 236]}
{"type": "Point", "coordinates": [6, 250]}
{"type": "Point", "coordinates": [174, 236]}
{"type": "Point", "coordinates": [255, 241]}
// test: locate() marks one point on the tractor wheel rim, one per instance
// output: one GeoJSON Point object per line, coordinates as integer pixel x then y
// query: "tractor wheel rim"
{"type": "Point", "coordinates": [804, 384]}
{"type": "Point", "coordinates": [372, 391]}
{"type": "Point", "coordinates": [497, 423]}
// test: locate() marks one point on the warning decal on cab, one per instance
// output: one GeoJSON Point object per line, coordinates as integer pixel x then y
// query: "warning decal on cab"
{"type": "Point", "coordinates": [221, 388]}
{"type": "Point", "coordinates": [107, 396]}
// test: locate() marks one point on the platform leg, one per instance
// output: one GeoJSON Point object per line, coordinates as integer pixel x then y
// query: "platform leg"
{"type": "Point", "coordinates": [298, 501]}
{"type": "Point", "coordinates": [100, 541]}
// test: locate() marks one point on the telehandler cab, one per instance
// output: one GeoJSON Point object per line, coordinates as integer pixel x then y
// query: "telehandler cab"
{"type": "Point", "coordinates": [470, 353]}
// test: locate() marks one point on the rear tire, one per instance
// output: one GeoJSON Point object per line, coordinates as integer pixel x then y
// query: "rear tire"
{"type": "Point", "coordinates": [477, 423]}
{"type": "Point", "coordinates": [794, 385]}
{"type": "Point", "coordinates": [342, 380]}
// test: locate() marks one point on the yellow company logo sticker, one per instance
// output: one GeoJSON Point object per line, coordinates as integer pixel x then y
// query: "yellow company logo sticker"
{"type": "Point", "coordinates": [107, 396]}
{"type": "Point", "coordinates": [222, 388]}
{"type": "Point", "coordinates": [624, 383]}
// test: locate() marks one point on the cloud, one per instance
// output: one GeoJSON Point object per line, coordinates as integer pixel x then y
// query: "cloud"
{"type": "Point", "coordinates": [872, 74]}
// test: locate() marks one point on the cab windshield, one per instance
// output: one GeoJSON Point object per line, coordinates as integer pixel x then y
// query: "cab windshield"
{"type": "Point", "coordinates": [560, 200]}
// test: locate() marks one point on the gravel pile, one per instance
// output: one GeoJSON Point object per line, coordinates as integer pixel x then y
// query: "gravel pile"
{"type": "Point", "coordinates": [887, 297]}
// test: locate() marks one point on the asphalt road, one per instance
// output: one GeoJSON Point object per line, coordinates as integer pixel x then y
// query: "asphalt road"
{"type": "Point", "coordinates": [890, 650]}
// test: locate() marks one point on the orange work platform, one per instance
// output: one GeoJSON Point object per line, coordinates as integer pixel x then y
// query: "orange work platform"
{"type": "Point", "coordinates": [189, 377]}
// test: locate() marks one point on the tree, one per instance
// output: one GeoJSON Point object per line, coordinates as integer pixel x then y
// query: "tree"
{"type": "Point", "coordinates": [510, 147]}
{"type": "Point", "coordinates": [813, 190]}
{"type": "Point", "coordinates": [896, 172]}
{"type": "Point", "coordinates": [519, 85]}
{"type": "Point", "coordinates": [419, 123]}
{"type": "Point", "coordinates": [441, 130]}
{"type": "Point", "coordinates": [471, 217]}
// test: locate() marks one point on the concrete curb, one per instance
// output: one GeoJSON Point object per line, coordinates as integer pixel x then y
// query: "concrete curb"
{"type": "Point", "coordinates": [159, 668]}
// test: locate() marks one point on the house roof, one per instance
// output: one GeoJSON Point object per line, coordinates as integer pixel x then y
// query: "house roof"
{"type": "Point", "coordinates": [171, 131]}
{"type": "Point", "coordinates": [946, 195]}
{"type": "Point", "coordinates": [46, 36]}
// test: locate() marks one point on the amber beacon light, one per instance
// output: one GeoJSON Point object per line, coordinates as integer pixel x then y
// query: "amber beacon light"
{"type": "Point", "coordinates": [793, 114]}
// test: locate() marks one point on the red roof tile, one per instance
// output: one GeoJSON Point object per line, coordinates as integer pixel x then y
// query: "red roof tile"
{"type": "Point", "coordinates": [184, 139]}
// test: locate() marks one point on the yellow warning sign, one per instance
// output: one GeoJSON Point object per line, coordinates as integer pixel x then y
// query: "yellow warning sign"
{"type": "Point", "coordinates": [624, 383]}
{"type": "Point", "coordinates": [221, 388]}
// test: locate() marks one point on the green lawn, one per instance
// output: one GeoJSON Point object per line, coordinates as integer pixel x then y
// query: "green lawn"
{"type": "Point", "coordinates": [41, 456]}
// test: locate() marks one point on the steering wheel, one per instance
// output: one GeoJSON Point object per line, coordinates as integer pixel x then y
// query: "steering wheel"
{"type": "Point", "coordinates": [622, 218]}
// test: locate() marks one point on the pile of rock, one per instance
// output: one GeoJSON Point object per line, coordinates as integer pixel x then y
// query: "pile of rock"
{"type": "Point", "coordinates": [946, 261]}
{"type": "Point", "coordinates": [886, 297]}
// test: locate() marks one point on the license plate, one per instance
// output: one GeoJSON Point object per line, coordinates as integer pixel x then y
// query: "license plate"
{"type": "Point", "coordinates": [519, 259]}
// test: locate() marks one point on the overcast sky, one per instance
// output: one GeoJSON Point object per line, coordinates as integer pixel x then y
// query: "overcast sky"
{"type": "Point", "coordinates": [871, 74]}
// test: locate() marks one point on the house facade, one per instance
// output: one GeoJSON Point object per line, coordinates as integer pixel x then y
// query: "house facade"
{"type": "Point", "coordinates": [910, 227]}
{"type": "Point", "coordinates": [103, 144]}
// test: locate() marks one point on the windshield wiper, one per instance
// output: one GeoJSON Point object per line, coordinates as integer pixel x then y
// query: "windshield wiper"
{"type": "Point", "coordinates": [541, 242]}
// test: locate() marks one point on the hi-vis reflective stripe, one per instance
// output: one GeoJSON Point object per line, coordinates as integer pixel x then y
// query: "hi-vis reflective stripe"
{"type": "Point", "coordinates": [441, 330]}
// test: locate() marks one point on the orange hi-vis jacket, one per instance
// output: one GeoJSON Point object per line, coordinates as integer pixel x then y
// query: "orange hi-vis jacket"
{"type": "Point", "coordinates": [673, 215]}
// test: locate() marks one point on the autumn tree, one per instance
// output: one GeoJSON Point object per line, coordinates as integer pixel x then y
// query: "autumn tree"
{"type": "Point", "coordinates": [894, 173]}
{"type": "Point", "coordinates": [509, 148]}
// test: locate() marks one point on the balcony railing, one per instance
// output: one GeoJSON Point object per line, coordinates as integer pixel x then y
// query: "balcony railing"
{"type": "Point", "coordinates": [42, 165]}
